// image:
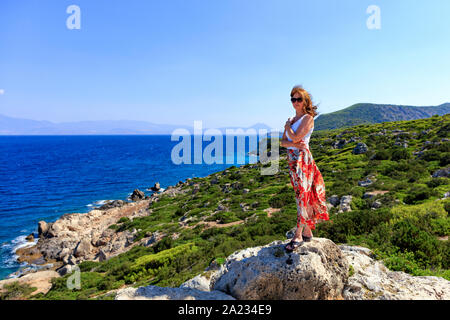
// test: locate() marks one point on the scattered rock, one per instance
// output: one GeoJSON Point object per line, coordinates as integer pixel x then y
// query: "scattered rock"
{"type": "Point", "coordinates": [371, 194]}
{"type": "Point", "coordinates": [360, 148]}
{"type": "Point", "coordinates": [445, 172]}
{"type": "Point", "coordinates": [137, 195]}
{"type": "Point", "coordinates": [83, 248]}
{"type": "Point", "coordinates": [344, 206]}
{"type": "Point", "coordinates": [334, 200]}
{"type": "Point", "coordinates": [112, 204]}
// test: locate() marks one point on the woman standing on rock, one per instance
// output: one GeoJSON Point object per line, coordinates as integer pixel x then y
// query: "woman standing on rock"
{"type": "Point", "coordinates": [305, 177]}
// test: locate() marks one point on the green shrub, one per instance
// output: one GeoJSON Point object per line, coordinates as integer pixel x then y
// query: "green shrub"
{"type": "Point", "coordinates": [123, 219]}
{"type": "Point", "coordinates": [87, 265]}
{"type": "Point", "coordinates": [16, 290]}
{"type": "Point", "coordinates": [382, 155]}
{"type": "Point", "coordinates": [283, 198]}
{"type": "Point", "coordinates": [164, 264]}
{"type": "Point", "coordinates": [417, 193]}
{"type": "Point", "coordinates": [399, 154]}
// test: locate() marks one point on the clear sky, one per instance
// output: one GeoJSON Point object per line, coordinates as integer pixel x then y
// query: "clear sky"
{"type": "Point", "coordinates": [227, 63]}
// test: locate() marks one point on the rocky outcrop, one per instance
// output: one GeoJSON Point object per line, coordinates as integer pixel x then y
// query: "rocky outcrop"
{"type": "Point", "coordinates": [137, 195]}
{"type": "Point", "coordinates": [371, 280]}
{"type": "Point", "coordinates": [316, 270]}
{"type": "Point", "coordinates": [76, 237]}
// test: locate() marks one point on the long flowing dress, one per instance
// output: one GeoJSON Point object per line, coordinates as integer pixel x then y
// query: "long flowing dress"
{"type": "Point", "coordinates": [307, 182]}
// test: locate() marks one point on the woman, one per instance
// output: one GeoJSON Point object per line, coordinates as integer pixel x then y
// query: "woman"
{"type": "Point", "coordinates": [305, 176]}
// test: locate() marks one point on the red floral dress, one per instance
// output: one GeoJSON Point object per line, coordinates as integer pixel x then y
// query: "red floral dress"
{"type": "Point", "coordinates": [308, 186]}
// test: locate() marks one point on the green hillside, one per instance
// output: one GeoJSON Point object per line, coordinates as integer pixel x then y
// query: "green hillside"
{"type": "Point", "coordinates": [406, 225]}
{"type": "Point", "coordinates": [367, 113]}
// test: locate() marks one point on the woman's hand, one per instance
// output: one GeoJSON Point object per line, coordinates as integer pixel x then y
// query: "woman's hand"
{"type": "Point", "coordinates": [287, 125]}
{"type": "Point", "coordinates": [300, 144]}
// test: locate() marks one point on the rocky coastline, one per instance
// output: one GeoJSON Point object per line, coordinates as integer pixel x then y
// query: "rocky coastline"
{"type": "Point", "coordinates": [77, 237]}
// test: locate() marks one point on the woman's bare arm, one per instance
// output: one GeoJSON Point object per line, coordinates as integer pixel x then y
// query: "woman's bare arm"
{"type": "Point", "coordinates": [302, 130]}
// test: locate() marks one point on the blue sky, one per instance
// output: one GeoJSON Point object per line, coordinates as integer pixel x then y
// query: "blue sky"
{"type": "Point", "coordinates": [227, 63]}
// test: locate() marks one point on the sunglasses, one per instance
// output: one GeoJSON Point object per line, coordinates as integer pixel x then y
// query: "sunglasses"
{"type": "Point", "coordinates": [296, 99]}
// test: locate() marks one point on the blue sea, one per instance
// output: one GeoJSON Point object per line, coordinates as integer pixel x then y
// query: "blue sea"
{"type": "Point", "coordinates": [44, 177]}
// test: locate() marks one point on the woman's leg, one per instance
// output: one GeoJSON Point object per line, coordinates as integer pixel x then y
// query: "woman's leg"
{"type": "Point", "coordinates": [308, 231]}
{"type": "Point", "coordinates": [298, 233]}
{"type": "Point", "coordinates": [297, 237]}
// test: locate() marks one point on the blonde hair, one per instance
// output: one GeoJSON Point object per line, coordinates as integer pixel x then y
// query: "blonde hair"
{"type": "Point", "coordinates": [308, 106]}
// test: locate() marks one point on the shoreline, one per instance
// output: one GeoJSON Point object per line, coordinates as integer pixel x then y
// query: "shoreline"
{"type": "Point", "coordinates": [36, 260]}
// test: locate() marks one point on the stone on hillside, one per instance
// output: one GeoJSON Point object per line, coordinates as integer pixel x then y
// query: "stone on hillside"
{"type": "Point", "coordinates": [376, 204]}
{"type": "Point", "coordinates": [365, 183]}
{"type": "Point", "coordinates": [83, 248]}
{"type": "Point", "coordinates": [344, 206]}
{"type": "Point", "coordinates": [445, 172]}
{"type": "Point", "coordinates": [237, 185]}
{"type": "Point", "coordinates": [371, 194]}
{"type": "Point", "coordinates": [65, 270]}
{"type": "Point", "coordinates": [315, 270]}
{"type": "Point", "coordinates": [214, 180]}
{"type": "Point", "coordinates": [196, 188]}
{"type": "Point", "coordinates": [340, 144]}
{"type": "Point", "coordinates": [360, 148]}
{"type": "Point", "coordinates": [102, 256]}
{"type": "Point", "coordinates": [334, 200]}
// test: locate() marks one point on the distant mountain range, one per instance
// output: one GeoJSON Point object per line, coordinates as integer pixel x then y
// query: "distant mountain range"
{"type": "Point", "coordinates": [361, 113]}
{"type": "Point", "coordinates": [17, 126]}
{"type": "Point", "coordinates": [366, 113]}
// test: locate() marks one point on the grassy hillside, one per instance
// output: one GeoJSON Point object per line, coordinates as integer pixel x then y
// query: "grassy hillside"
{"type": "Point", "coordinates": [407, 229]}
{"type": "Point", "coordinates": [367, 113]}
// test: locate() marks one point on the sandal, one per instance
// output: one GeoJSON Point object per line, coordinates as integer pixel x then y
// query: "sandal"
{"type": "Point", "coordinates": [293, 244]}
{"type": "Point", "coordinates": [306, 238]}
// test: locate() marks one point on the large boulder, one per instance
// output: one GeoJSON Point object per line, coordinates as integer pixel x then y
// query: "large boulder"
{"type": "Point", "coordinates": [371, 280]}
{"type": "Point", "coordinates": [42, 228]}
{"type": "Point", "coordinates": [315, 270]}
{"type": "Point", "coordinates": [112, 204]}
{"type": "Point", "coordinates": [137, 195]}
{"type": "Point", "coordinates": [83, 248]}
